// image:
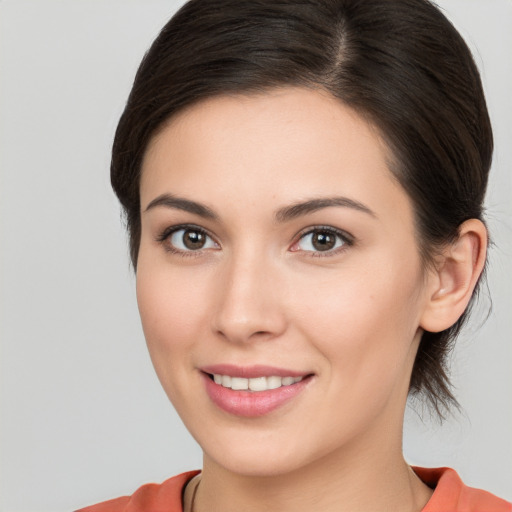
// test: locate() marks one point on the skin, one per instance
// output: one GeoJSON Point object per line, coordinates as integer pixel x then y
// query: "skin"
{"type": "Point", "coordinates": [259, 293]}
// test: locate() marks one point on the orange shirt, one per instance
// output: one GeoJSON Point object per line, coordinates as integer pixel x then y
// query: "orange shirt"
{"type": "Point", "coordinates": [450, 495]}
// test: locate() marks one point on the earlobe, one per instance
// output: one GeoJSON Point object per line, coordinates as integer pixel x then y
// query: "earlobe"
{"type": "Point", "coordinates": [450, 286]}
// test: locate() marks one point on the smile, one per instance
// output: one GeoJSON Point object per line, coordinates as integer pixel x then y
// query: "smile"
{"type": "Point", "coordinates": [255, 384]}
{"type": "Point", "coordinates": [253, 391]}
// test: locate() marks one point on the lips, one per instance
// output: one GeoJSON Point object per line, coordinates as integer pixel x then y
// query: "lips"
{"type": "Point", "coordinates": [249, 372]}
{"type": "Point", "coordinates": [252, 391]}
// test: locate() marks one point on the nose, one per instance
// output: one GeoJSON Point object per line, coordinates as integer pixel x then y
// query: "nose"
{"type": "Point", "coordinates": [248, 302]}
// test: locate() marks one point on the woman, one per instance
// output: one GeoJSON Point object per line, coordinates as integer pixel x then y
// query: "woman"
{"type": "Point", "coordinates": [303, 184]}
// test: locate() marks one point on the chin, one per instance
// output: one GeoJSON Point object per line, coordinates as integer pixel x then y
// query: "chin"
{"type": "Point", "coordinates": [263, 454]}
{"type": "Point", "coordinates": [255, 464]}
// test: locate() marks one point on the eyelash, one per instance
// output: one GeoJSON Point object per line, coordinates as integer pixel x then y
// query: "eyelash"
{"type": "Point", "coordinates": [163, 238]}
{"type": "Point", "coordinates": [346, 239]}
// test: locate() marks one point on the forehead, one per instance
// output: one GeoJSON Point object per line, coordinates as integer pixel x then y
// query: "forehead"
{"type": "Point", "coordinates": [287, 143]}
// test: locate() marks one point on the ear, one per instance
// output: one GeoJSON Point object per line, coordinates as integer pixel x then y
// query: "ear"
{"type": "Point", "coordinates": [450, 285]}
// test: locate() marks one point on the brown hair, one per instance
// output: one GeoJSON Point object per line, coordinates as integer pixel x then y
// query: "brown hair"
{"type": "Point", "coordinates": [400, 63]}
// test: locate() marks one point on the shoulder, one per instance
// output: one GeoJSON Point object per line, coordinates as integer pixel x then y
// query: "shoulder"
{"type": "Point", "coordinates": [164, 497]}
{"type": "Point", "coordinates": [451, 494]}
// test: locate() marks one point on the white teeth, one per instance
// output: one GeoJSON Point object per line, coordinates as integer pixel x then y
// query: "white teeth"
{"type": "Point", "coordinates": [239, 383]}
{"type": "Point", "coordinates": [274, 382]}
{"type": "Point", "coordinates": [256, 383]}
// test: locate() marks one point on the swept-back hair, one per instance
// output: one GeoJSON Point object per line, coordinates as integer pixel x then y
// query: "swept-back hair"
{"type": "Point", "coordinates": [399, 63]}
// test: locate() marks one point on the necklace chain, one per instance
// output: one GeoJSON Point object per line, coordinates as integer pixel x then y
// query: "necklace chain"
{"type": "Point", "coordinates": [194, 492]}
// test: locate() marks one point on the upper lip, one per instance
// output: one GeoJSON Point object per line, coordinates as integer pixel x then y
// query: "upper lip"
{"type": "Point", "coordinates": [250, 372]}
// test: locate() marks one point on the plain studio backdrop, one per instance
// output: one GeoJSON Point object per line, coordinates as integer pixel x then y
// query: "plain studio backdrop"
{"type": "Point", "coordinates": [83, 417]}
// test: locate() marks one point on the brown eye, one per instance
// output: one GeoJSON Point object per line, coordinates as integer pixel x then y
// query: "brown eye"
{"type": "Point", "coordinates": [191, 239]}
{"type": "Point", "coordinates": [321, 240]}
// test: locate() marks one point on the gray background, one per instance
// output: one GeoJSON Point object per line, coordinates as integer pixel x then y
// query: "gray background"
{"type": "Point", "coordinates": [83, 417]}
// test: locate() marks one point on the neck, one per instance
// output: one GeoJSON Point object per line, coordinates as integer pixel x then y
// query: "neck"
{"type": "Point", "coordinates": [340, 482]}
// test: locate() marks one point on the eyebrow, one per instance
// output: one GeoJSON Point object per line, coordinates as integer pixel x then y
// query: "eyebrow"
{"type": "Point", "coordinates": [284, 214]}
{"type": "Point", "coordinates": [179, 203]}
{"type": "Point", "coordinates": [312, 205]}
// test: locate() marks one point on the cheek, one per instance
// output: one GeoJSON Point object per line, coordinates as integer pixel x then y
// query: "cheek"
{"type": "Point", "coordinates": [363, 322]}
{"type": "Point", "coordinates": [173, 311]}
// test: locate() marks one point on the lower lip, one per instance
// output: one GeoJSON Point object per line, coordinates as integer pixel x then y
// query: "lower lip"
{"type": "Point", "coordinates": [251, 404]}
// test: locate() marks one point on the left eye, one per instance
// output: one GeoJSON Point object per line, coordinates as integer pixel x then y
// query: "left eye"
{"type": "Point", "coordinates": [320, 240]}
{"type": "Point", "coordinates": [191, 239]}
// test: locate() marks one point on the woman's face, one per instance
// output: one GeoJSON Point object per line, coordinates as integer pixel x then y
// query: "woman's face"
{"type": "Point", "coordinates": [278, 252]}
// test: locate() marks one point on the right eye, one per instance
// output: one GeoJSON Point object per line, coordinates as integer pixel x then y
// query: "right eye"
{"type": "Point", "coordinates": [189, 239]}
